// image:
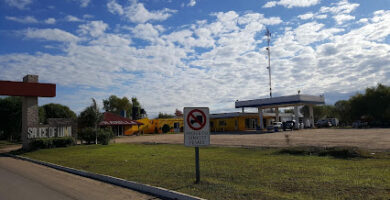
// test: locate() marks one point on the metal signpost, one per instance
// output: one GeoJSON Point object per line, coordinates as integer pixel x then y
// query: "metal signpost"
{"type": "Point", "coordinates": [196, 131]}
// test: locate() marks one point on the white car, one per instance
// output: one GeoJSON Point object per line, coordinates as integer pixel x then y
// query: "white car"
{"type": "Point", "coordinates": [277, 124]}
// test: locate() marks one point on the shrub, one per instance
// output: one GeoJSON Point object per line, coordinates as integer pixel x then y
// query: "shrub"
{"type": "Point", "coordinates": [166, 128]}
{"type": "Point", "coordinates": [344, 152]}
{"type": "Point", "coordinates": [105, 135]}
{"type": "Point", "coordinates": [337, 152]}
{"type": "Point", "coordinates": [87, 134]}
{"type": "Point", "coordinates": [63, 142]}
{"type": "Point", "coordinates": [41, 143]}
{"type": "Point", "coordinates": [45, 143]}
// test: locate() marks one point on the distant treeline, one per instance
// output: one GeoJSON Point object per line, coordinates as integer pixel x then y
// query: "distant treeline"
{"type": "Point", "coordinates": [373, 107]}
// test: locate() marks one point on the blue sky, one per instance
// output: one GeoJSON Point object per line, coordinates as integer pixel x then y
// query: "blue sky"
{"type": "Point", "coordinates": [171, 54]}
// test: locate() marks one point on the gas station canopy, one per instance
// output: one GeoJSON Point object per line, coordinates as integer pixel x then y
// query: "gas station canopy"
{"type": "Point", "coordinates": [283, 101]}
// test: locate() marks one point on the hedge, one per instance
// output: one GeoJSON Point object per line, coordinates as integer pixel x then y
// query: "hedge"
{"type": "Point", "coordinates": [45, 143]}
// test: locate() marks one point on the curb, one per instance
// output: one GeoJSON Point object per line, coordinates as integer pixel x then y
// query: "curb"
{"type": "Point", "coordinates": [144, 188]}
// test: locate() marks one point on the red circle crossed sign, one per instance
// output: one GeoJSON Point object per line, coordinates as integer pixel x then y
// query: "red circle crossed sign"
{"type": "Point", "coordinates": [196, 119]}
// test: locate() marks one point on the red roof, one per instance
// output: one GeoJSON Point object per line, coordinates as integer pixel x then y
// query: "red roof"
{"type": "Point", "coordinates": [111, 119]}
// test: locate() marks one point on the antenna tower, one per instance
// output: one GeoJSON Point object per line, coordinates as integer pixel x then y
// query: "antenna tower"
{"type": "Point", "coordinates": [268, 34]}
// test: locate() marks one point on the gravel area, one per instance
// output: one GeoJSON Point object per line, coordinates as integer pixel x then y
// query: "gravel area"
{"type": "Point", "coordinates": [373, 139]}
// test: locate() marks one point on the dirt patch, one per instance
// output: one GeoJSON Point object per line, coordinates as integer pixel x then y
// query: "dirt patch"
{"type": "Point", "coordinates": [373, 139]}
{"type": "Point", "coordinates": [8, 148]}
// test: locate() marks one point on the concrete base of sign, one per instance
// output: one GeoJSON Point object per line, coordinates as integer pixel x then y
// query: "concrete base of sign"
{"type": "Point", "coordinates": [30, 115]}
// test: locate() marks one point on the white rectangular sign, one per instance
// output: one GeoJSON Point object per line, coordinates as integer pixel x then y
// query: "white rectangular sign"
{"type": "Point", "coordinates": [196, 126]}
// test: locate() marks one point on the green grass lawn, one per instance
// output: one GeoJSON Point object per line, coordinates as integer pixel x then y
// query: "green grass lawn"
{"type": "Point", "coordinates": [232, 173]}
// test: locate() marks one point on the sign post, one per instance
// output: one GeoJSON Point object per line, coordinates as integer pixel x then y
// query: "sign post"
{"type": "Point", "coordinates": [196, 131]}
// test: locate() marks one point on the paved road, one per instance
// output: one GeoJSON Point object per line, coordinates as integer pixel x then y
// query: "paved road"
{"type": "Point", "coordinates": [24, 180]}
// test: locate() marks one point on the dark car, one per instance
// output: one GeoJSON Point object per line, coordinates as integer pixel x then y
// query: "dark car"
{"type": "Point", "coordinates": [288, 125]}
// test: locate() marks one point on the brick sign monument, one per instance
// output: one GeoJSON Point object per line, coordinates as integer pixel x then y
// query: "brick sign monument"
{"type": "Point", "coordinates": [30, 90]}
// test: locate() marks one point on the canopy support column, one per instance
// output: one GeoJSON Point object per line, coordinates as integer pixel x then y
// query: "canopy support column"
{"type": "Point", "coordinates": [311, 116]}
{"type": "Point", "coordinates": [296, 117]}
{"type": "Point", "coordinates": [261, 123]}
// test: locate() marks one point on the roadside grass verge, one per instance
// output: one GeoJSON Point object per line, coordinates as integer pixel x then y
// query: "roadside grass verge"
{"type": "Point", "coordinates": [4, 143]}
{"type": "Point", "coordinates": [230, 172]}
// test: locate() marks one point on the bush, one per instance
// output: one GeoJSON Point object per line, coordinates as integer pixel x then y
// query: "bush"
{"type": "Point", "coordinates": [63, 142]}
{"type": "Point", "coordinates": [46, 143]}
{"type": "Point", "coordinates": [103, 135]}
{"type": "Point", "coordinates": [87, 134]}
{"type": "Point", "coordinates": [166, 128]}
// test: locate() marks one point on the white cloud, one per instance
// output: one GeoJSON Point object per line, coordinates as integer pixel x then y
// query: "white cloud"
{"type": "Point", "coordinates": [341, 7]}
{"type": "Point", "coordinates": [24, 20]}
{"type": "Point", "coordinates": [20, 4]}
{"type": "Point", "coordinates": [93, 28]}
{"type": "Point", "coordinates": [363, 20]}
{"type": "Point", "coordinates": [306, 16]}
{"type": "Point", "coordinates": [114, 7]}
{"type": "Point", "coordinates": [83, 3]}
{"type": "Point", "coordinates": [340, 19]}
{"type": "Point", "coordinates": [377, 30]}
{"type": "Point", "coordinates": [146, 31]}
{"type": "Point", "coordinates": [137, 13]}
{"type": "Point", "coordinates": [30, 20]}
{"type": "Point", "coordinates": [50, 21]}
{"type": "Point", "coordinates": [198, 61]}
{"type": "Point", "coordinates": [311, 15]}
{"type": "Point", "coordinates": [191, 3]}
{"type": "Point", "coordinates": [87, 16]}
{"type": "Point", "coordinates": [270, 4]}
{"type": "Point", "coordinates": [50, 34]}
{"type": "Point", "coordinates": [71, 18]}
{"type": "Point", "coordinates": [292, 3]}
{"type": "Point", "coordinates": [321, 16]}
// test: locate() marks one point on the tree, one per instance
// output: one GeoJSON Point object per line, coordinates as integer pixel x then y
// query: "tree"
{"type": "Point", "coordinates": [319, 112]}
{"type": "Point", "coordinates": [116, 105]}
{"type": "Point", "coordinates": [373, 106]}
{"type": "Point", "coordinates": [178, 113]}
{"type": "Point", "coordinates": [90, 116]}
{"type": "Point", "coordinates": [289, 111]}
{"type": "Point", "coordinates": [53, 110]}
{"type": "Point", "coordinates": [136, 110]}
{"type": "Point", "coordinates": [164, 116]}
{"type": "Point", "coordinates": [10, 118]}
{"type": "Point", "coordinates": [342, 110]}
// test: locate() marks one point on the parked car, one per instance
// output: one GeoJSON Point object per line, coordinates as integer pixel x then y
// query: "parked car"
{"type": "Point", "coordinates": [270, 128]}
{"type": "Point", "coordinates": [288, 125]}
{"type": "Point", "coordinates": [277, 126]}
{"type": "Point", "coordinates": [359, 124]}
{"type": "Point", "coordinates": [323, 123]}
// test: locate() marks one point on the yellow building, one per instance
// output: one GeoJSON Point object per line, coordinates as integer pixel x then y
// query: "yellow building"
{"type": "Point", "coordinates": [156, 126]}
{"type": "Point", "coordinates": [239, 121]}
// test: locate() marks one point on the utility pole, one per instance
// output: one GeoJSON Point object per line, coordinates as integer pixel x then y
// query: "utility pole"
{"type": "Point", "coordinates": [268, 34]}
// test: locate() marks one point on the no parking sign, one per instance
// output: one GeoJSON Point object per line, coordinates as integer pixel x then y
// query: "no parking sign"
{"type": "Point", "coordinates": [196, 126]}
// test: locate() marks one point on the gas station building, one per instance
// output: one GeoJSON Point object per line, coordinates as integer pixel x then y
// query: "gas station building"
{"type": "Point", "coordinates": [281, 102]}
